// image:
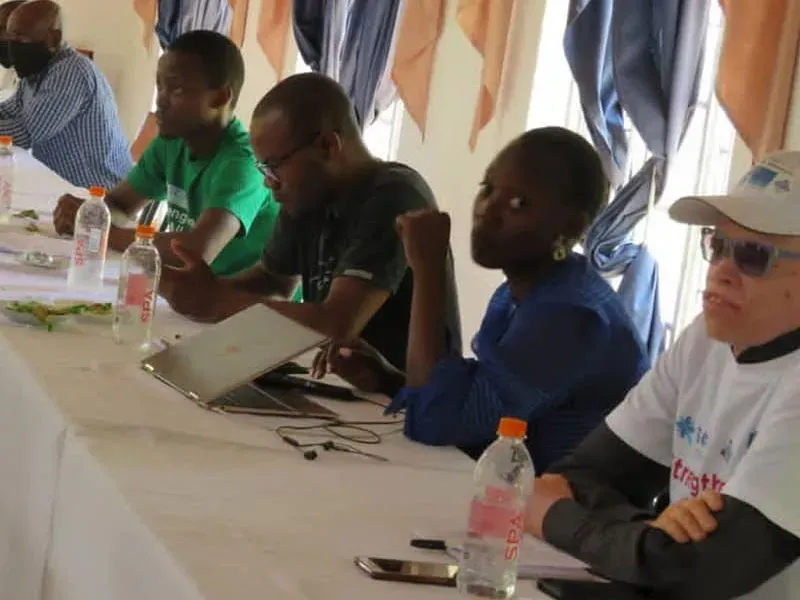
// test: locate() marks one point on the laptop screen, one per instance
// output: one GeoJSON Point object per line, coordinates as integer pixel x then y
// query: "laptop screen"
{"type": "Point", "coordinates": [231, 353]}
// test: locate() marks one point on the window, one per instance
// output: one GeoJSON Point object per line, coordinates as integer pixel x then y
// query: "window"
{"type": "Point", "coordinates": [702, 165]}
{"type": "Point", "coordinates": [383, 136]}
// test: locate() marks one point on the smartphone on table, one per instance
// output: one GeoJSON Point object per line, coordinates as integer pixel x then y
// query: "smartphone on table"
{"type": "Point", "coordinates": [570, 589]}
{"type": "Point", "coordinates": [408, 571]}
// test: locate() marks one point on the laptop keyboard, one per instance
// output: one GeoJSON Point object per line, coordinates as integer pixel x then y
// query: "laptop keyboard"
{"type": "Point", "coordinates": [249, 396]}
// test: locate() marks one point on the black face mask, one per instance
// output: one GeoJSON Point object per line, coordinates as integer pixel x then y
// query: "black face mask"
{"type": "Point", "coordinates": [29, 58]}
{"type": "Point", "coordinates": [5, 55]}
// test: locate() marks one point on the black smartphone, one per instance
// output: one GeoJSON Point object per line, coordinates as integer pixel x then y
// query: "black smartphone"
{"type": "Point", "coordinates": [569, 589]}
{"type": "Point", "coordinates": [291, 368]}
{"type": "Point", "coordinates": [389, 569]}
{"type": "Point", "coordinates": [309, 386]}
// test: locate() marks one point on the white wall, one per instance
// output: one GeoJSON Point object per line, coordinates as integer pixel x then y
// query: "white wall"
{"type": "Point", "coordinates": [742, 158]}
{"type": "Point", "coordinates": [259, 76]}
{"type": "Point", "coordinates": [114, 33]}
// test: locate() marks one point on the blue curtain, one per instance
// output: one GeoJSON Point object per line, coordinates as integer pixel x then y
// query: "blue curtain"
{"type": "Point", "coordinates": [351, 42]}
{"type": "Point", "coordinates": [176, 17]}
{"type": "Point", "coordinates": [311, 18]}
{"type": "Point", "coordinates": [643, 58]}
{"type": "Point", "coordinates": [167, 26]}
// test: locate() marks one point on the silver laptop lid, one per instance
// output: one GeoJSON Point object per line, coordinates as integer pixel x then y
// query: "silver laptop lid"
{"type": "Point", "coordinates": [231, 353]}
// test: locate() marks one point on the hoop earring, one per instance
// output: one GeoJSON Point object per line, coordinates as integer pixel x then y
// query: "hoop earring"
{"type": "Point", "coordinates": [559, 249]}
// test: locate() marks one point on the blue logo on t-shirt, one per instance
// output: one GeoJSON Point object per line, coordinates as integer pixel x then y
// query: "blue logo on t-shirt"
{"type": "Point", "coordinates": [686, 428]}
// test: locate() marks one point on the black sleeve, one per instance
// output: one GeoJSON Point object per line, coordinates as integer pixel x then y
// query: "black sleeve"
{"type": "Point", "coordinates": [280, 255]}
{"type": "Point", "coordinates": [610, 534]}
{"type": "Point", "coordinates": [605, 472]}
{"type": "Point", "coordinates": [374, 251]}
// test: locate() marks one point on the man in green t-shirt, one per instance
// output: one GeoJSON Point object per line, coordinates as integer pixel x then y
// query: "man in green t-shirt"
{"type": "Point", "coordinates": [201, 163]}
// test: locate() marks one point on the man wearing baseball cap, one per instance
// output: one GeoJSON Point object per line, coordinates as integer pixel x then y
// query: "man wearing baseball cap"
{"type": "Point", "coordinates": [716, 422]}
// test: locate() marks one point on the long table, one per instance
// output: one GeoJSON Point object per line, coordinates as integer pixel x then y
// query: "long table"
{"type": "Point", "coordinates": [116, 487]}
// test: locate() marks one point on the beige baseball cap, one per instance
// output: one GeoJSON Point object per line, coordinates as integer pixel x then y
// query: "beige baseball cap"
{"type": "Point", "coordinates": [767, 199]}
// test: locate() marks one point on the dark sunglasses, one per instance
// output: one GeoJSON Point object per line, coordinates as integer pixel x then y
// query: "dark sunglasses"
{"type": "Point", "coordinates": [269, 168]}
{"type": "Point", "coordinates": [753, 259]}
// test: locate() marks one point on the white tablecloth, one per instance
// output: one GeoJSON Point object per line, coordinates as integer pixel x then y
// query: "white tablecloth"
{"type": "Point", "coordinates": [115, 487]}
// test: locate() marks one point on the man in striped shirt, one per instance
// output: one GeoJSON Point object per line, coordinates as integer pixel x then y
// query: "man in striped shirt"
{"type": "Point", "coordinates": [64, 109]}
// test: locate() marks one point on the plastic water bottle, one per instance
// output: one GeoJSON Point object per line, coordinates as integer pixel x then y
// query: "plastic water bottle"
{"type": "Point", "coordinates": [139, 274]}
{"type": "Point", "coordinates": [503, 485]}
{"type": "Point", "coordinates": [6, 176]}
{"type": "Point", "coordinates": [92, 223]}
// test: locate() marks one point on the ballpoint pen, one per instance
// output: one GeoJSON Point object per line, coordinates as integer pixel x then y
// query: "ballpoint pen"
{"type": "Point", "coordinates": [428, 544]}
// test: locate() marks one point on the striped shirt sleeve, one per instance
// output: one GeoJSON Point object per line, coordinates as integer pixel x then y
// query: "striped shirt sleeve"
{"type": "Point", "coordinates": [9, 109]}
{"type": "Point", "coordinates": [60, 98]}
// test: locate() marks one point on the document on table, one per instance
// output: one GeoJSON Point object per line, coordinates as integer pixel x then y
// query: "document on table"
{"type": "Point", "coordinates": [537, 560]}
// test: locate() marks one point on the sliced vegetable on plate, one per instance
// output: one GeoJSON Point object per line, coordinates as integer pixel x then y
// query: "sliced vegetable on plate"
{"type": "Point", "coordinates": [33, 312]}
{"type": "Point", "coordinates": [26, 214]}
{"type": "Point", "coordinates": [97, 312]}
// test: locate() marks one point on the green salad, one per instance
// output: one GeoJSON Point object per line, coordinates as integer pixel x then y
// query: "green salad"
{"type": "Point", "coordinates": [26, 214]}
{"type": "Point", "coordinates": [43, 312]}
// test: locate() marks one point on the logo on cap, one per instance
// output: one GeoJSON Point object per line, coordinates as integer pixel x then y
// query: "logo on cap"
{"type": "Point", "coordinates": [783, 185]}
{"type": "Point", "coordinates": [761, 176]}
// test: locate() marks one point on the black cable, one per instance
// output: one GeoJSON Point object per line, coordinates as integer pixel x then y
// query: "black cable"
{"type": "Point", "coordinates": [361, 434]}
{"type": "Point", "coordinates": [364, 436]}
{"type": "Point", "coordinates": [309, 453]}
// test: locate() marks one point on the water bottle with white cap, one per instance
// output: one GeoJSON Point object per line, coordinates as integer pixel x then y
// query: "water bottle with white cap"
{"type": "Point", "coordinates": [503, 484]}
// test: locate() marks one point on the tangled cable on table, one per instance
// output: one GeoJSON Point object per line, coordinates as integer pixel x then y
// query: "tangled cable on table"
{"type": "Point", "coordinates": [338, 429]}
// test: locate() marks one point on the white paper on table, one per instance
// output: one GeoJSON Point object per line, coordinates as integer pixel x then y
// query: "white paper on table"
{"type": "Point", "coordinates": [537, 560]}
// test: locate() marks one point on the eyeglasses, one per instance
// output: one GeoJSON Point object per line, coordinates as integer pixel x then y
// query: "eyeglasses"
{"type": "Point", "coordinates": [269, 168]}
{"type": "Point", "coordinates": [753, 259]}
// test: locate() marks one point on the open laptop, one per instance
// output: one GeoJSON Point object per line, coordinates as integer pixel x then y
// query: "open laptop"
{"type": "Point", "coordinates": [220, 367]}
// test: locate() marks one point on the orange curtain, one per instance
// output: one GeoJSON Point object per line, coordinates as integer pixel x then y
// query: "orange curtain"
{"type": "Point", "coordinates": [239, 10]}
{"type": "Point", "coordinates": [415, 52]}
{"type": "Point", "coordinates": [274, 23]}
{"type": "Point", "coordinates": [146, 10]}
{"type": "Point", "coordinates": [756, 69]}
{"type": "Point", "coordinates": [486, 24]}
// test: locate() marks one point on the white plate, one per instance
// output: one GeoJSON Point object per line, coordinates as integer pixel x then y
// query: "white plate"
{"type": "Point", "coordinates": [43, 260]}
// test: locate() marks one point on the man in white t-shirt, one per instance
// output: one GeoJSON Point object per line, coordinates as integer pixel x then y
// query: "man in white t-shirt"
{"type": "Point", "coordinates": [716, 422]}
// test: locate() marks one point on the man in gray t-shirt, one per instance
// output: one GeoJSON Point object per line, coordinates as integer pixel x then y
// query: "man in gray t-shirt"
{"type": "Point", "coordinates": [336, 233]}
{"type": "Point", "coordinates": [356, 237]}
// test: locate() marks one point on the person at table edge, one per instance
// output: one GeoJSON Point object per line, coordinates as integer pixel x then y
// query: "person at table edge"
{"type": "Point", "coordinates": [63, 109]}
{"type": "Point", "coordinates": [201, 162]}
{"type": "Point", "coordinates": [716, 421]}
{"type": "Point", "coordinates": [335, 232]}
{"type": "Point", "coordinates": [555, 348]}
{"type": "Point", "coordinates": [8, 79]}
